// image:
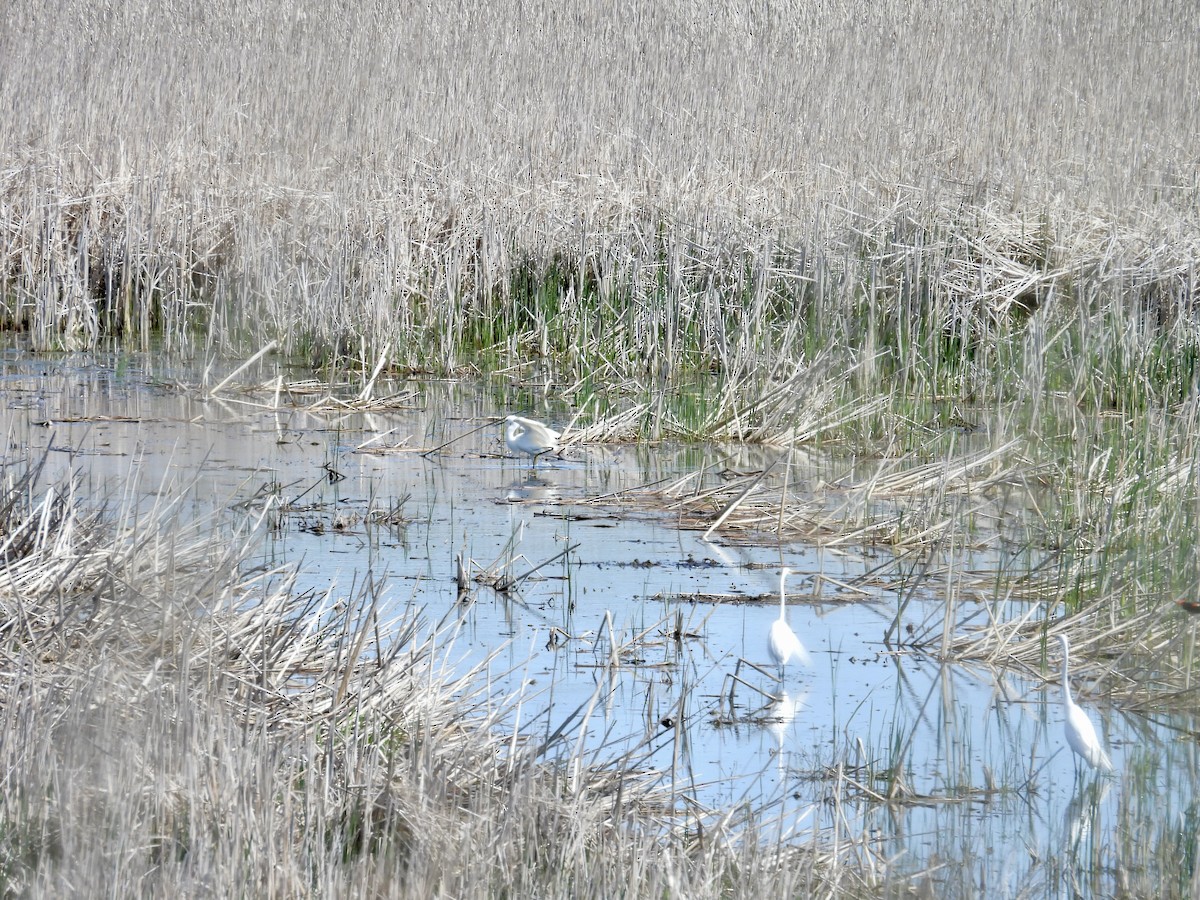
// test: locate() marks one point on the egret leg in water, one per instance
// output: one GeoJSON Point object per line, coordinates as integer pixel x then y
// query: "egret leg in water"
{"type": "Point", "coordinates": [782, 642]}
{"type": "Point", "coordinates": [1081, 734]}
{"type": "Point", "coordinates": [527, 436]}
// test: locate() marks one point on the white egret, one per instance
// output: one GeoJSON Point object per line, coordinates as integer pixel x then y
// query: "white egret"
{"type": "Point", "coordinates": [1080, 732]}
{"type": "Point", "coordinates": [527, 436]}
{"type": "Point", "coordinates": [781, 640]}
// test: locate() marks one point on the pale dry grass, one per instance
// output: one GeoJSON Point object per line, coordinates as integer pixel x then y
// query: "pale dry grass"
{"type": "Point", "coordinates": [553, 189]}
{"type": "Point", "coordinates": [898, 501]}
{"type": "Point", "coordinates": [999, 551]}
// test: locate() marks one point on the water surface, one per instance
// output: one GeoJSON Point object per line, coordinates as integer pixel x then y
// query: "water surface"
{"type": "Point", "coordinates": [635, 619]}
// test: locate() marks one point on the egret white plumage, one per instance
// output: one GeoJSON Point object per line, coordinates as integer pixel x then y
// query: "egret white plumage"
{"type": "Point", "coordinates": [782, 642]}
{"type": "Point", "coordinates": [1081, 734]}
{"type": "Point", "coordinates": [527, 436]}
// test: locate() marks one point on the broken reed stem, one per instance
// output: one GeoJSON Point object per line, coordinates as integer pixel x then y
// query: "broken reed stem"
{"type": "Point", "coordinates": [263, 351]}
{"type": "Point", "coordinates": [459, 437]}
{"type": "Point", "coordinates": [729, 510]}
{"type": "Point", "coordinates": [514, 582]}
{"type": "Point", "coordinates": [365, 394]}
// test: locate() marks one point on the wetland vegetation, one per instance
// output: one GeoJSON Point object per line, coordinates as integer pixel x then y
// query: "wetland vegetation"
{"type": "Point", "coordinates": [953, 245]}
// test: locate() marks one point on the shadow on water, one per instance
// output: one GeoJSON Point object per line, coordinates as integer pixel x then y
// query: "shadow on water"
{"type": "Point", "coordinates": [585, 597]}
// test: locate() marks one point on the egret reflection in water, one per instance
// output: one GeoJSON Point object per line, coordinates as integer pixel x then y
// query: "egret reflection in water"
{"type": "Point", "coordinates": [532, 489]}
{"type": "Point", "coordinates": [780, 715]}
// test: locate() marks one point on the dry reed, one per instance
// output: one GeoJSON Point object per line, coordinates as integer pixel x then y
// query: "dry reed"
{"type": "Point", "coordinates": [427, 189]}
{"type": "Point", "coordinates": [859, 219]}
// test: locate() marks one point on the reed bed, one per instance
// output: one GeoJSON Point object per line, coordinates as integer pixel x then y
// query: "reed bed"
{"type": "Point", "coordinates": [450, 192]}
{"type": "Point", "coordinates": [1013, 540]}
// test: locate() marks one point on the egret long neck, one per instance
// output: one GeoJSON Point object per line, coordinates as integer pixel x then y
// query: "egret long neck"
{"type": "Point", "coordinates": [1065, 683]}
{"type": "Point", "coordinates": [782, 607]}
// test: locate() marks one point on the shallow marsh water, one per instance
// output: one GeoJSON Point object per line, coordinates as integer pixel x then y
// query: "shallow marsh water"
{"type": "Point", "coordinates": [991, 792]}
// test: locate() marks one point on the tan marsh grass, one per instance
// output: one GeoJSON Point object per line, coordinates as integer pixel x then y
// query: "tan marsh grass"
{"type": "Point", "coordinates": [541, 183]}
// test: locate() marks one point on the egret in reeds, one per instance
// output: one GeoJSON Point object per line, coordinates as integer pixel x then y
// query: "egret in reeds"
{"type": "Point", "coordinates": [527, 436]}
{"type": "Point", "coordinates": [782, 642]}
{"type": "Point", "coordinates": [1081, 734]}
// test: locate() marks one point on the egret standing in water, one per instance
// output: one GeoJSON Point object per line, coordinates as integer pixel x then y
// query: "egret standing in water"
{"type": "Point", "coordinates": [527, 436]}
{"type": "Point", "coordinates": [1081, 734]}
{"type": "Point", "coordinates": [781, 640]}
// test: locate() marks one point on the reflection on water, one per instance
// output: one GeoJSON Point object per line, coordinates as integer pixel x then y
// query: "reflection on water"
{"type": "Point", "coordinates": [1081, 821]}
{"type": "Point", "coordinates": [533, 488]}
{"type": "Point", "coordinates": [780, 716]}
{"type": "Point", "coordinates": [614, 609]}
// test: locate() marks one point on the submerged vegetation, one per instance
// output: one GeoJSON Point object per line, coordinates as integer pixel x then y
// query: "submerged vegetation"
{"type": "Point", "coordinates": [900, 229]}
